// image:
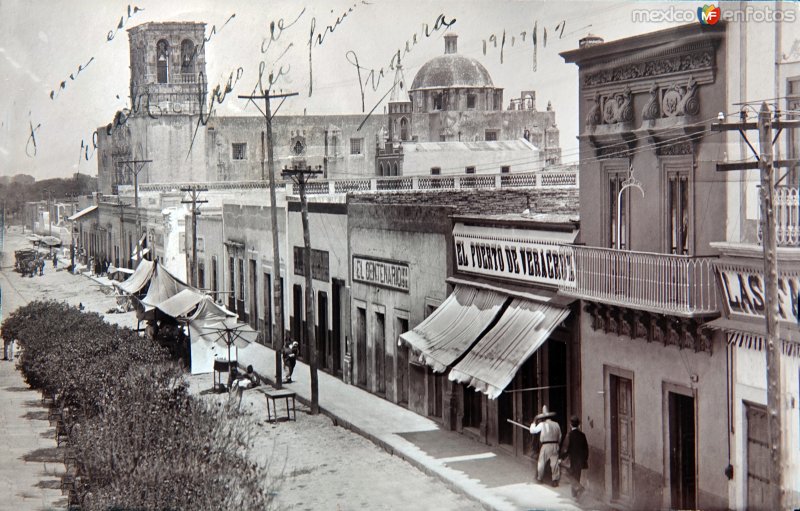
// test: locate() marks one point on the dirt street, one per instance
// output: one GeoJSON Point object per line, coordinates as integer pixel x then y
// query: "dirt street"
{"type": "Point", "coordinates": [322, 466]}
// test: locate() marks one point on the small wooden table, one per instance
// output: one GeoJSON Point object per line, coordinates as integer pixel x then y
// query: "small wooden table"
{"type": "Point", "coordinates": [273, 395]}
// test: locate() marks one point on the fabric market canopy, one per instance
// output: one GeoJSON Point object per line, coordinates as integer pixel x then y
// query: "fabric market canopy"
{"type": "Point", "coordinates": [492, 363]}
{"type": "Point", "coordinates": [213, 328]}
{"type": "Point", "coordinates": [449, 332]}
{"type": "Point", "coordinates": [51, 241]}
{"type": "Point", "coordinates": [141, 276]}
{"type": "Point", "coordinates": [180, 304]}
{"type": "Point", "coordinates": [163, 285]}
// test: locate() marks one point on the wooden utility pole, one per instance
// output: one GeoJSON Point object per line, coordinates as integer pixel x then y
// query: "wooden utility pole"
{"type": "Point", "coordinates": [133, 166]}
{"type": "Point", "coordinates": [301, 176]}
{"type": "Point", "coordinates": [194, 193]}
{"type": "Point", "coordinates": [122, 262]}
{"type": "Point", "coordinates": [277, 293]}
{"type": "Point", "coordinates": [769, 243]}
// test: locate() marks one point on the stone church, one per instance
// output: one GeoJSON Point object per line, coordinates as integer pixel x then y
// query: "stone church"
{"type": "Point", "coordinates": [452, 111]}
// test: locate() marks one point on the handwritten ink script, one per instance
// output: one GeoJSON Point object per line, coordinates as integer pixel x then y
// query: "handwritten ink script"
{"type": "Point", "coordinates": [315, 39]}
{"type": "Point", "coordinates": [30, 145]}
{"type": "Point", "coordinates": [122, 22]}
{"type": "Point", "coordinates": [504, 38]}
{"type": "Point", "coordinates": [111, 34]}
{"type": "Point", "coordinates": [372, 78]}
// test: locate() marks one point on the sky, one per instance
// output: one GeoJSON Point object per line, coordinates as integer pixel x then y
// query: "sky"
{"type": "Point", "coordinates": [46, 129]}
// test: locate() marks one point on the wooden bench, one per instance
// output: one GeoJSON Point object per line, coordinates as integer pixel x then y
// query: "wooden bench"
{"type": "Point", "coordinates": [273, 395]}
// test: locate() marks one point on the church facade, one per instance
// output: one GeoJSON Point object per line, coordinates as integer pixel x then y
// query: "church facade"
{"type": "Point", "coordinates": [452, 100]}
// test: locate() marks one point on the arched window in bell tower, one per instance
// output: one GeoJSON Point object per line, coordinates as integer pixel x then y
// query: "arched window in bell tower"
{"type": "Point", "coordinates": [162, 61]}
{"type": "Point", "coordinates": [403, 129]}
{"type": "Point", "coordinates": [187, 57]}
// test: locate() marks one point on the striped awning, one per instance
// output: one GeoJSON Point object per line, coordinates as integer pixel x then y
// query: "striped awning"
{"type": "Point", "coordinates": [454, 326]}
{"type": "Point", "coordinates": [747, 335]}
{"type": "Point", "coordinates": [492, 363]}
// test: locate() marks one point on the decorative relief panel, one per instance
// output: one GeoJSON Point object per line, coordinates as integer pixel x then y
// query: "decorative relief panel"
{"type": "Point", "coordinates": [697, 60]}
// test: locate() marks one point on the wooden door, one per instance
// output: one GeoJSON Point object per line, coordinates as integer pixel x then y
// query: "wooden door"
{"type": "Point", "coordinates": [380, 353]}
{"type": "Point", "coordinates": [322, 331]}
{"type": "Point", "coordinates": [336, 332]}
{"type": "Point", "coordinates": [683, 474]}
{"type": "Point", "coordinates": [622, 438]}
{"type": "Point", "coordinates": [401, 374]}
{"type": "Point", "coordinates": [758, 458]}
{"type": "Point", "coordinates": [361, 347]}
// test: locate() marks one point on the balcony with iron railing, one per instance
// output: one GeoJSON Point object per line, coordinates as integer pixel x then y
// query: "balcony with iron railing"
{"type": "Point", "coordinates": [677, 285]}
{"type": "Point", "coordinates": [787, 217]}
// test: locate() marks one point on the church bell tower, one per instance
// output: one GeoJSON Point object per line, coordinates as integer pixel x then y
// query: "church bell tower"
{"type": "Point", "coordinates": [168, 68]}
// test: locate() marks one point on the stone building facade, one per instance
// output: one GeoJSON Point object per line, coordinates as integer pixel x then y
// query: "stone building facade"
{"type": "Point", "coordinates": [168, 120]}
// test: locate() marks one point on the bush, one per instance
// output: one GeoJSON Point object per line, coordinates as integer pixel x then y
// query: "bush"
{"type": "Point", "coordinates": [140, 440]}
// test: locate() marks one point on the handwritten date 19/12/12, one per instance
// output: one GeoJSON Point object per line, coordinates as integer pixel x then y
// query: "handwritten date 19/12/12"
{"type": "Point", "coordinates": [504, 39]}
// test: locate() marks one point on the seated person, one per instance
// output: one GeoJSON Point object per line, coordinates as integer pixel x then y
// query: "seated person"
{"type": "Point", "coordinates": [247, 380]}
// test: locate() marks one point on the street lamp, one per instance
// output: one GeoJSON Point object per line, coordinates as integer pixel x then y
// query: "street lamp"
{"type": "Point", "coordinates": [630, 182]}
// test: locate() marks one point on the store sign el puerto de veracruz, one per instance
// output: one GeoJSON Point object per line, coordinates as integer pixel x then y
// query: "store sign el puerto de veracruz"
{"type": "Point", "coordinates": [491, 252]}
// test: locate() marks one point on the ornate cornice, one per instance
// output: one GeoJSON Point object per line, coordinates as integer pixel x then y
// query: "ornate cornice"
{"type": "Point", "coordinates": [667, 65]}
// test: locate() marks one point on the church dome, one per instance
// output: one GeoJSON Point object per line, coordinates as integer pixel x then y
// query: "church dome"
{"type": "Point", "coordinates": [451, 70]}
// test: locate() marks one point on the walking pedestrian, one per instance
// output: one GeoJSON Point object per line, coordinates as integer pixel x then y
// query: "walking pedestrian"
{"type": "Point", "coordinates": [550, 437]}
{"type": "Point", "coordinates": [41, 266]}
{"type": "Point", "coordinates": [8, 349]}
{"type": "Point", "coordinates": [289, 360]}
{"type": "Point", "coordinates": [55, 260]}
{"type": "Point", "coordinates": [576, 450]}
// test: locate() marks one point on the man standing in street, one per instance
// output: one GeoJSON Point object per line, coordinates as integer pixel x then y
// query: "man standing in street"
{"type": "Point", "coordinates": [576, 449]}
{"type": "Point", "coordinates": [550, 437]}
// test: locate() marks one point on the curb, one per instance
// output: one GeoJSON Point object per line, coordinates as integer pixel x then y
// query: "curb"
{"type": "Point", "coordinates": [338, 421]}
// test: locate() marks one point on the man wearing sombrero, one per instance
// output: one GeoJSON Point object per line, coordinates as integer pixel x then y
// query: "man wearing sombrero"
{"type": "Point", "coordinates": [550, 437]}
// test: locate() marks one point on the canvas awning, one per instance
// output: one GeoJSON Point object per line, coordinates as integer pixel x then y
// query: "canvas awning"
{"type": "Point", "coordinates": [205, 349]}
{"type": "Point", "coordinates": [752, 335]}
{"type": "Point", "coordinates": [180, 304]}
{"type": "Point", "coordinates": [453, 327]}
{"type": "Point", "coordinates": [163, 285]}
{"type": "Point", "coordinates": [141, 276]}
{"type": "Point", "coordinates": [492, 363]}
{"type": "Point", "coordinates": [82, 212]}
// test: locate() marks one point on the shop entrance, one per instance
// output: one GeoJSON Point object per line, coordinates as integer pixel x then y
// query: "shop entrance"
{"type": "Point", "coordinates": [402, 364]}
{"type": "Point", "coordinates": [682, 473]}
{"type": "Point", "coordinates": [380, 353]}
{"type": "Point", "coordinates": [621, 404]}
{"type": "Point", "coordinates": [336, 332]}
{"type": "Point", "coordinates": [322, 331]}
{"type": "Point", "coordinates": [361, 347]}
{"type": "Point", "coordinates": [519, 404]}
{"type": "Point", "coordinates": [758, 457]}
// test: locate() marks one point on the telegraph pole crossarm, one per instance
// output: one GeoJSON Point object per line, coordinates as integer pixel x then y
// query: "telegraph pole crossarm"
{"type": "Point", "coordinates": [301, 176]}
{"type": "Point", "coordinates": [764, 162]}
{"type": "Point", "coordinates": [277, 291]}
{"type": "Point", "coordinates": [194, 194]}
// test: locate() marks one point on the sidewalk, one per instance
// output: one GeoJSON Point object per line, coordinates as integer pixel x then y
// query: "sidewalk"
{"type": "Point", "coordinates": [30, 464]}
{"type": "Point", "coordinates": [498, 481]}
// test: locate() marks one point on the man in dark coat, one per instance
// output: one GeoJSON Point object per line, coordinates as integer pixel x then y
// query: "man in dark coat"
{"type": "Point", "coordinates": [576, 449]}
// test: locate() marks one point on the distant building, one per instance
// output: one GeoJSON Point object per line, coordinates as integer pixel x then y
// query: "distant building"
{"type": "Point", "coordinates": [452, 99]}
